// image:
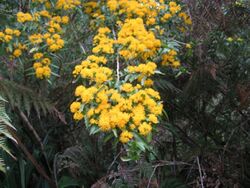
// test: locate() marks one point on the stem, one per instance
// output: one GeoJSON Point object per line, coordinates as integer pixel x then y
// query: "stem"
{"type": "Point", "coordinates": [117, 60]}
{"type": "Point", "coordinates": [201, 178]}
{"type": "Point", "coordinates": [117, 70]}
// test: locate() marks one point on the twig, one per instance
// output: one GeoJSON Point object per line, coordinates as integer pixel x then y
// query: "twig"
{"type": "Point", "coordinates": [55, 169]}
{"type": "Point", "coordinates": [38, 167]}
{"type": "Point", "coordinates": [230, 136]}
{"type": "Point", "coordinates": [37, 137]}
{"type": "Point", "coordinates": [117, 69]}
{"type": "Point", "coordinates": [201, 178]}
{"type": "Point", "coordinates": [117, 60]}
{"type": "Point", "coordinates": [114, 160]}
{"type": "Point", "coordinates": [149, 181]}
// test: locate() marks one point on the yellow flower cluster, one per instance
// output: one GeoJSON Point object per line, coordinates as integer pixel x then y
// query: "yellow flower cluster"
{"type": "Point", "coordinates": [18, 49]}
{"type": "Point", "coordinates": [36, 38]}
{"type": "Point", "coordinates": [102, 42]}
{"type": "Point", "coordinates": [8, 34]}
{"type": "Point", "coordinates": [170, 59]}
{"type": "Point", "coordinates": [41, 66]}
{"type": "Point", "coordinates": [67, 4]}
{"type": "Point", "coordinates": [107, 101]}
{"type": "Point", "coordinates": [136, 40]}
{"type": "Point", "coordinates": [126, 136]}
{"type": "Point", "coordinates": [127, 107]}
{"type": "Point", "coordinates": [44, 37]}
{"type": "Point", "coordinates": [174, 7]}
{"type": "Point", "coordinates": [146, 9]}
{"type": "Point", "coordinates": [44, 13]}
{"type": "Point", "coordinates": [112, 98]}
{"type": "Point", "coordinates": [91, 69]}
{"type": "Point", "coordinates": [186, 18]}
{"type": "Point", "coordinates": [24, 17]}
{"type": "Point", "coordinates": [51, 38]}
{"type": "Point", "coordinates": [166, 17]}
{"type": "Point", "coordinates": [143, 69]}
{"type": "Point", "coordinates": [135, 109]}
{"type": "Point", "coordinates": [54, 42]}
{"type": "Point", "coordinates": [90, 8]}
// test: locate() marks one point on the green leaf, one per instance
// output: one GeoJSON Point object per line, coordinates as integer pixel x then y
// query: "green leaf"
{"type": "Point", "coordinates": [66, 181]}
{"type": "Point", "coordinates": [93, 130]}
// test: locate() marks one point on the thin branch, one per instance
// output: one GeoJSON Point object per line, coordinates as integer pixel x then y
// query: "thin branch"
{"type": "Point", "coordinates": [35, 134]}
{"type": "Point", "coordinates": [149, 181]}
{"type": "Point", "coordinates": [117, 69]}
{"type": "Point", "coordinates": [114, 160]}
{"type": "Point", "coordinates": [38, 167]}
{"type": "Point", "coordinates": [201, 178]}
{"type": "Point", "coordinates": [117, 60]}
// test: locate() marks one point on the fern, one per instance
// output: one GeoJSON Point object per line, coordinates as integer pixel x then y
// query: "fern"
{"type": "Point", "coordinates": [4, 133]}
{"type": "Point", "coordinates": [24, 98]}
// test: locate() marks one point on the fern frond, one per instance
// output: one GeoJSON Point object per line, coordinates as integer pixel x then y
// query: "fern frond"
{"type": "Point", "coordinates": [4, 133]}
{"type": "Point", "coordinates": [24, 98]}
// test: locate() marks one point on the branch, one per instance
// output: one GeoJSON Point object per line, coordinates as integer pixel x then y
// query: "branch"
{"type": "Point", "coordinates": [37, 137]}
{"type": "Point", "coordinates": [38, 167]}
{"type": "Point", "coordinates": [201, 178]}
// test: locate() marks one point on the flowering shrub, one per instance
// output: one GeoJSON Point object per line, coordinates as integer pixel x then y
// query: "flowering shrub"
{"type": "Point", "coordinates": [134, 39]}
{"type": "Point", "coordinates": [117, 94]}
{"type": "Point", "coordinates": [37, 36]}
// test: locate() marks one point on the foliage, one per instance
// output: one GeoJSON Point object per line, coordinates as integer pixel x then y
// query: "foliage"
{"type": "Point", "coordinates": [4, 132]}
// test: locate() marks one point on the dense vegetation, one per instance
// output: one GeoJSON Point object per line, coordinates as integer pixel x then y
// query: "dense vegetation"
{"type": "Point", "coordinates": [128, 93]}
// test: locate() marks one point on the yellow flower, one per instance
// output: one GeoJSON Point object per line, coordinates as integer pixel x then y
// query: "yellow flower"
{"type": "Point", "coordinates": [75, 106]}
{"type": "Point", "coordinates": [23, 17]}
{"type": "Point", "coordinates": [1, 34]}
{"type": "Point", "coordinates": [104, 121]}
{"type": "Point", "coordinates": [36, 38]}
{"type": "Point", "coordinates": [45, 13]}
{"type": "Point", "coordinates": [145, 129]}
{"type": "Point", "coordinates": [78, 116]}
{"type": "Point", "coordinates": [188, 45]}
{"type": "Point", "coordinates": [153, 118]}
{"type": "Point", "coordinates": [166, 17]}
{"type": "Point", "coordinates": [136, 40]}
{"type": "Point", "coordinates": [8, 31]}
{"type": "Point", "coordinates": [132, 126]}
{"type": "Point", "coordinates": [67, 4]}
{"type": "Point", "coordinates": [17, 32]}
{"type": "Point", "coordinates": [229, 39]}
{"type": "Point", "coordinates": [148, 82]}
{"type": "Point", "coordinates": [46, 72]}
{"type": "Point", "coordinates": [125, 136]}
{"type": "Point", "coordinates": [51, 30]}
{"type": "Point", "coordinates": [46, 61]}
{"type": "Point", "coordinates": [7, 38]}
{"type": "Point", "coordinates": [79, 90]}
{"type": "Point", "coordinates": [173, 7]}
{"type": "Point", "coordinates": [176, 64]}
{"type": "Point", "coordinates": [39, 72]}
{"type": "Point", "coordinates": [38, 55]}
{"type": "Point", "coordinates": [17, 52]}
{"type": "Point", "coordinates": [138, 114]}
{"type": "Point", "coordinates": [239, 39]}
{"type": "Point", "coordinates": [90, 112]}
{"type": "Point", "coordinates": [145, 69]}
{"type": "Point", "coordinates": [37, 65]}
{"type": "Point", "coordinates": [127, 87]}
{"type": "Point", "coordinates": [46, 35]}
{"type": "Point", "coordinates": [65, 19]}
{"type": "Point", "coordinates": [47, 4]}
